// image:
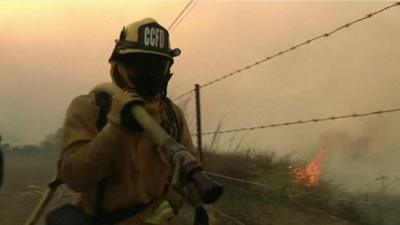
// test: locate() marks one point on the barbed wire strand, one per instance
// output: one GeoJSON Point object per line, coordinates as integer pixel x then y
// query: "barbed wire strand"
{"type": "Point", "coordinates": [184, 16]}
{"type": "Point", "coordinates": [268, 188]}
{"type": "Point", "coordinates": [238, 180]}
{"type": "Point", "coordinates": [354, 115]}
{"type": "Point", "coordinates": [180, 14]}
{"type": "Point", "coordinates": [325, 35]}
{"type": "Point", "coordinates": [183, 95]}
{"type": "Point", "coordinates": [294, 47]}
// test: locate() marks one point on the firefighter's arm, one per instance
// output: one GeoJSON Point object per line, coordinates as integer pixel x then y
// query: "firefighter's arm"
{"type": "Point", "coordinates": [86, 154]}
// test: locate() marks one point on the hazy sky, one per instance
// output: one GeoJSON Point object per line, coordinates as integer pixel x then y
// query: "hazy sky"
{"type": "Point", "coordinates": [52, 51]}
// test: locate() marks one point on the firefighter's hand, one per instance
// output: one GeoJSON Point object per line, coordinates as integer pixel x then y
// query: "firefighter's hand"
{"type": "Point", "coordinates": [121, 105]}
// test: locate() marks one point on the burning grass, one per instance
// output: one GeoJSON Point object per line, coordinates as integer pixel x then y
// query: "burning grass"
{"type": "Point", "coordinates": [285, 190]}
{"type": "Point", "coordinates": [310, 174]}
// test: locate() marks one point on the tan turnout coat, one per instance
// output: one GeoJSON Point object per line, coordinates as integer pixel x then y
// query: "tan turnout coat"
{"type": "Point", "coordinates": [135, 171]}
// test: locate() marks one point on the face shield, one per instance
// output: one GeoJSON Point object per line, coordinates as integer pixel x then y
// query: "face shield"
{"type": "Point", "coordinates": [148, 73]}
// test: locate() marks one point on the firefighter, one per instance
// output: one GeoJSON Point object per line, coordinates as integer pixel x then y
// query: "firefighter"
{"type": "Point", "coordinates": [106, 157]}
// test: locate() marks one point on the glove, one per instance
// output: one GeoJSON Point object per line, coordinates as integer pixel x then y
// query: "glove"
{"type": "Point", "coordinates": [120, 114]}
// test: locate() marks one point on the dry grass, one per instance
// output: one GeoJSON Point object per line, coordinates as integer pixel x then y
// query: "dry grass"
{"type": "Point", "coordinates": [281, 202]}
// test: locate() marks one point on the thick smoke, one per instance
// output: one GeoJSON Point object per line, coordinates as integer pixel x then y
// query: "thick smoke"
{"type": "Point", "coordinates": [368, 161]}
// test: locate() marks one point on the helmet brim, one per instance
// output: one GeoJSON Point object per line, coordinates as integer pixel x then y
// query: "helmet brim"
{"type": "Point", "coordinates": [130, 51]}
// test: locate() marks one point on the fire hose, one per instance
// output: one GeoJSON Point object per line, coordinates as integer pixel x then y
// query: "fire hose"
{"type": "Point", "coordinates": [186, 169]}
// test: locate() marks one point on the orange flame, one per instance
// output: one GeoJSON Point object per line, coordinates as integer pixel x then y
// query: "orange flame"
{"type": "Point", "coordinates": [310, 175]}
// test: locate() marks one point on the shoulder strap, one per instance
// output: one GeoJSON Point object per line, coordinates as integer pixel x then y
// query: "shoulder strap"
{"type": "Point", "coordinates": [103, 101]}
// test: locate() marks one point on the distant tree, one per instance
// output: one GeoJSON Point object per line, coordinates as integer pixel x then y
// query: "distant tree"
{"type": "Point", "coordinates": [27, 149]}
{"type": "Point", "coordinates": [48, 145]}
{"type": "Point", "coordinates": [6, 147]}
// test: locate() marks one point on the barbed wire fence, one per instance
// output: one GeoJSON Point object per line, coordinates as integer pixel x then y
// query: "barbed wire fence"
{"type": "Point", "coordinates": [196, 92]}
